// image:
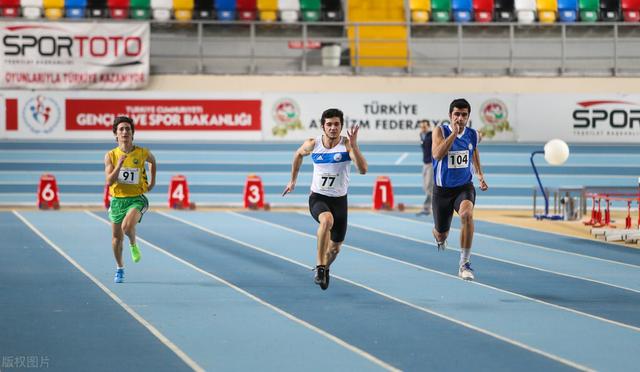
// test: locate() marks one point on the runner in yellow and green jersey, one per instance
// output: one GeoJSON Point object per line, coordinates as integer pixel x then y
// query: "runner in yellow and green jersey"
{"type": "Point", "coordinates": [124, 167]}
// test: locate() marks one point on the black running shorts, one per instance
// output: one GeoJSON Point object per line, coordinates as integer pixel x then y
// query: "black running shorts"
{"type": "Point", "coordinates": [319, 203]}
{"type": "Point", "coordinates": [446, 200]}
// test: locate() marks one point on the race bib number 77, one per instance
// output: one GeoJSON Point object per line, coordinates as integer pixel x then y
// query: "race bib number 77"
{"type": "Point", "coordinates": [458, 159]}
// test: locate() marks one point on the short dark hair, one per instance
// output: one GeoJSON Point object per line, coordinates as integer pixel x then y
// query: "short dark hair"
{"type": "Point", "coordinates": [459, 103]}
{"type": "Point", "coordinates": [332, 113]}
{"type": "Point", "coordinates": [123, 119]}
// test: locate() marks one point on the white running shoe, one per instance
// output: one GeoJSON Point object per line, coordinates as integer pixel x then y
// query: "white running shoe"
{"type": "Point", "coordinates": [466, 272]}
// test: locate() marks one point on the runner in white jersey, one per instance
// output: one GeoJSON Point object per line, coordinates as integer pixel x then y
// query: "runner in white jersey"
{"type": "Point", "coordinates": [332, 155]}
{"type": "Point", "coordinates": [455, 159]}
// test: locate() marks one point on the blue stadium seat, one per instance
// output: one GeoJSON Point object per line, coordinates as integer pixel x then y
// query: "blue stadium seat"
{"type": "Point", "coordinates": [568, 10]}
{"type": "Point", "coordinates": [462, 10]}
{"type": "Point", "coordinates": [226, 10]}
{"type": "Point", "coordinates": [75, 8]}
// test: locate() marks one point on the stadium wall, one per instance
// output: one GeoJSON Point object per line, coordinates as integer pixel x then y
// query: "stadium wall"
{"type": "Point", "coordinates": [286, 108]}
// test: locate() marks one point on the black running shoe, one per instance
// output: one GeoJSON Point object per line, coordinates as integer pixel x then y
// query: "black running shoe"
{"type": "Point", "coordinates": [322, 277]}
{"type": "Point", "coordinates": [319, 274]}
{"type": "Point", "coordinates": [325, 284]}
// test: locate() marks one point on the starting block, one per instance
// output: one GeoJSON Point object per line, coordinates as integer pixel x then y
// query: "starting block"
{"type": "Point", "coordinates": [48, 197]}
{"type": "Point", "coordinates": [383, 193]}
{"type": "Point", "coordinates": [179, 193]}
{"type": "Point", "coordinates": [253, 196]}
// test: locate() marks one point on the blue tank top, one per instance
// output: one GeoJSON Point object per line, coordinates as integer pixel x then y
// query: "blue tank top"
{"type": "Point", "coordinates": [456, 168]}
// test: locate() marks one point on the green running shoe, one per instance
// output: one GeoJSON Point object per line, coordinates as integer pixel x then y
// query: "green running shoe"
{"type": "Point", "coordinates": [135, 253]}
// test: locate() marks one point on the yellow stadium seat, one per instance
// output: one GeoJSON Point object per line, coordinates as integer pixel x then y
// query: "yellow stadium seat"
{"type": "Point", "coordinates": [183, 4]}
{"type": "Point", "coordinates": [53, 13]}
{"type": "Point", "coordinates": [183, 14]}
{"type": "Point", "coordinates": [268, 10]}
{"type": "Point", "coordinates": [53, 4]}
{"type": "Point", "coordinates": [379, 46]}
{"type": "Point", "coordinates": [547, 10]}
{"type": "Point", "coordinates": [420, 10]}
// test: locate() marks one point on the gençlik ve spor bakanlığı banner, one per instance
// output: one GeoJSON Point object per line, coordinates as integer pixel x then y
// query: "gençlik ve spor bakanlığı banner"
{"type": "Point", "coordinates": [52, 55]}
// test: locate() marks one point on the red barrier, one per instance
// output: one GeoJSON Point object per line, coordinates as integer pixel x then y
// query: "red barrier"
{"type": "Point", "coordinates": [383, 193]}
{"type": "Point", "coordinates": [179, 193]}
{"type": "Point", "coordinates": [107, 197]}
{"type": "Point", "coordinates": [253, 196]}
{"type": "Point", "coordinates": [48, 192]}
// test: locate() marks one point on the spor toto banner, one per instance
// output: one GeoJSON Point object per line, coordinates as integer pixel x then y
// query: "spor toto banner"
{"type": "Point", "coordinates": [74, 55]}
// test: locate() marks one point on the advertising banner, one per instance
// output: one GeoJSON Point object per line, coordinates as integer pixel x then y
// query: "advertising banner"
{"type": "Point", "coordinates": [65, 115]}
{"type": "Point", "coordinates": [589, 118]}
{"type": "Point", "coordinates": [72, 55]}
{"type": "Point", "coordinates": [383, 117]}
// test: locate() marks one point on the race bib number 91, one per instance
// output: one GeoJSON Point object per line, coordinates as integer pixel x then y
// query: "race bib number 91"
{"type": "Point", "coordinates": [458, 159]}
{"type": "Point", "coordinates": [129, 176]}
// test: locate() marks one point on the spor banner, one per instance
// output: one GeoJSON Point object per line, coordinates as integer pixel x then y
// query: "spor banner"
{"type": "Point", "coordinates": [51, 55]}
{"type": "Point", "coordinates": [588, 118]}
{"type": "Point", "coordinates": [383, 117]}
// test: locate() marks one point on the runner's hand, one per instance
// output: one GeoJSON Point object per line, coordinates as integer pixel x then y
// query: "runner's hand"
{"type": "Point", "coordinates": [290, 187]}
{"type": "Point", "coordinates": [352, 133]}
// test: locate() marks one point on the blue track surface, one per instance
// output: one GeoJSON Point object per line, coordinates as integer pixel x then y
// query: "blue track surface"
{"type": "Point", "coordinates": [234, 291]}
{"type": "Point", "coordinates": [217, 171]}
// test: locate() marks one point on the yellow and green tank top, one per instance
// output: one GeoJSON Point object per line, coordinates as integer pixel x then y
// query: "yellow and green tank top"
{"type": "Point", "coordinates": [132, 179]}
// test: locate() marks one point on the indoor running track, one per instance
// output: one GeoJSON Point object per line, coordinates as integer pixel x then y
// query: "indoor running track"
{"type": "Point", "coordinates": [234, 291]}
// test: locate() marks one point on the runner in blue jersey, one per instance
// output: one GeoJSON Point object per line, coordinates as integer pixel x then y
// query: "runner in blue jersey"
{"type": "Point", "coordinates": [455, 158]}
{"type": "Point", "coordinates": [332, 155]}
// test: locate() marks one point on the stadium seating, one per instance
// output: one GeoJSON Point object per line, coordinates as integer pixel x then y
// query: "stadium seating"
{"type": "Point", "coordinates": [247, 10]}
{"type": "Point", "coordinates": [311, 10]}
{"type": "Point", "coordinates": [332, 10]}
{"type": "Point", "coordinates": [31, 9]}
{"type": "Point", "coordinates": [268, 10]}
{"type": "Point", "coordinates": [589, 10]}
{"type": "Point", "coordinates": [226, 10]}
{"type": "Point", "coordinates": [630, 10]}
{"type": "Point", "coordinates": [96, 8]}
{"type": "Point", "coordinates": [183, 10]}
{"type": "Point", "coordinates": [161, 9]}
{"type": "Point", "coordinates": [420, 10]}
{"type": "Point", "coordinates": [547, 10]}
{"type": "Point", "coordinates": [53, 9]}
{"type": "Point", "coordinates": [140, 9]}
{"type": "Point", "coordinates": [380, 46]}
{"type": "Point", "coordinates": [525, 11]}
{"type": "Point", "coordinates": [462, 10]}
{"type": "Point", "coordinates": [567, 10]}
{"type": "Point", "coordinates": [75, 8]}
{"type": "Point", "coordinates": [289, 10]}
{"type": "Point", "coordinates": [118, 9]}
{"type": "Point", "coordinates": [610, 10]}
{"type": "Point", "coordinates": [9, 8]}
{"type": "Point", "coordinates": [504, 10]}
{"type": "Point", "coordinates": [441, 10]}
{"type": "Point", "coordinates": [483, 10]}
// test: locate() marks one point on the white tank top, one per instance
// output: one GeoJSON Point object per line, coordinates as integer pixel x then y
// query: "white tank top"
{"type": "Point", "coordinates": [330, 169]}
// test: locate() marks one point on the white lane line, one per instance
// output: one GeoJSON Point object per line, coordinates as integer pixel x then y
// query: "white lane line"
{"type": "Point", "coordinates": [181, 354]}
{"type": "Point", "coordinates": [287, 315]}
{"type": "Point", "coordinates": [447, 275]}
{"type": "Point", "coordinates": [401, 158]}
{"type": "Point", "coordinates": [495, 258]}
{"type": "Point", "coordinates": [380, 293]}
{"type": "Point", "coordinates": [535, 245]}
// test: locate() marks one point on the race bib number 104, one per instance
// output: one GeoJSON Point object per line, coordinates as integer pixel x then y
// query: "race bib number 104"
{"type": "Point", "coordinates": [458, 159]}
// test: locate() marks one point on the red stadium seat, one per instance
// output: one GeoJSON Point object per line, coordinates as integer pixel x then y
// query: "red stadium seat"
{"type": "Point", "coordinates": [9, 8]}
{"type": "Point", "coordinates": [118, 9]}
{"type": "Point", "coordinates": [247, 10]}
